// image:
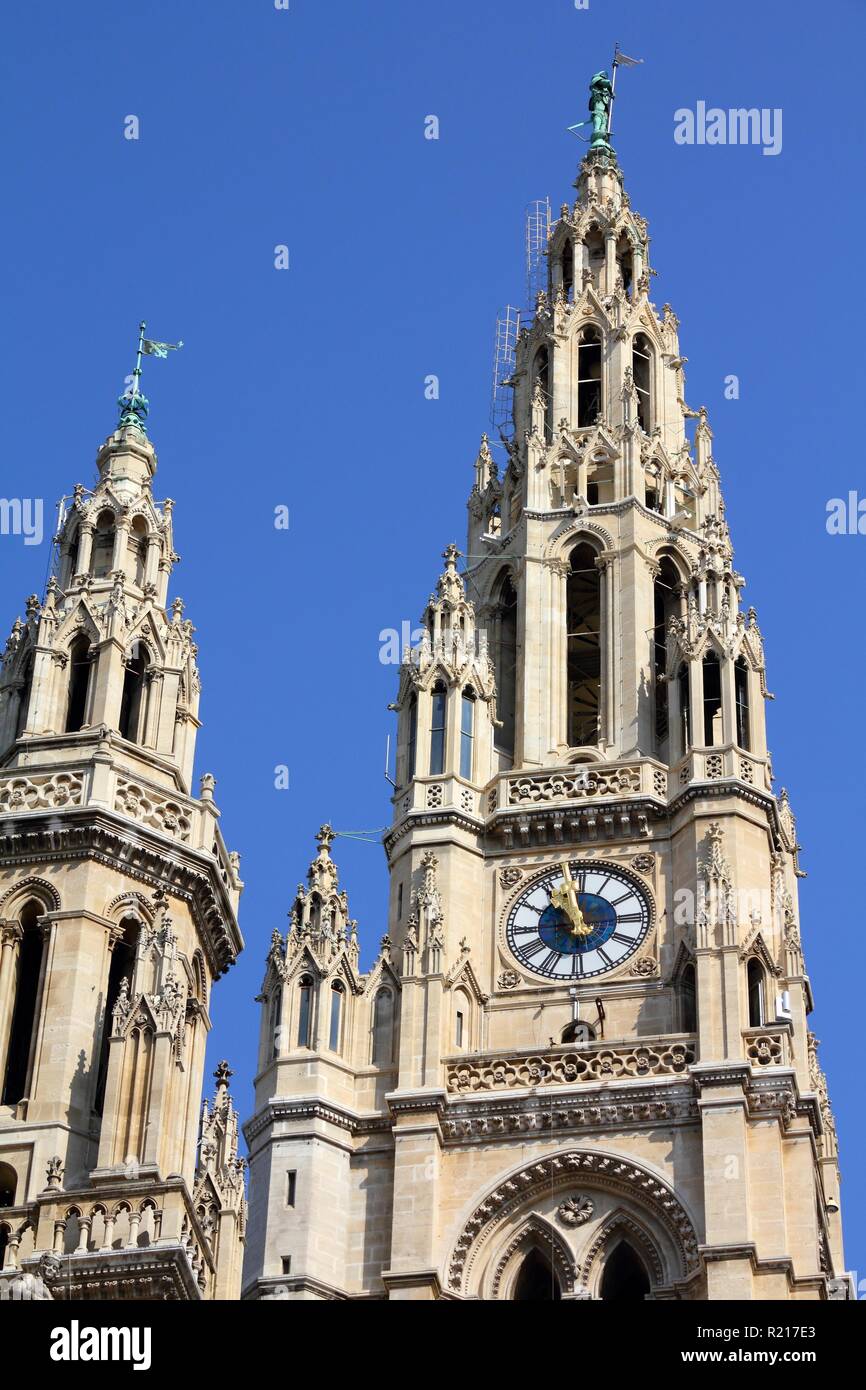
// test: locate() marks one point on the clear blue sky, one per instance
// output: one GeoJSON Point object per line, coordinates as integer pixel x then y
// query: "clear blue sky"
{"type": "Point", "coordinates": [305, 387]}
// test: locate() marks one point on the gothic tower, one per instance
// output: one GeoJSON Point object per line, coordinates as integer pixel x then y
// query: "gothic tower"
{"type": "Point", "coordinates": [581, 1067]}
{"type": "Point", "coordinates": [118, 904]}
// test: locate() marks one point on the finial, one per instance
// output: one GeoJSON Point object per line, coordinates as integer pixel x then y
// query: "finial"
{"type": "Point", "coordinates": [223, 1075]}
{"type": "Point", "coordinates": [325, 838]}
{"type": "Point", "coordinates": [451, 555]}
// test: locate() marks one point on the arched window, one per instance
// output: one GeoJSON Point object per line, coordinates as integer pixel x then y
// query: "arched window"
{"type": "Point", "coordinates": [685, 707]}
{"type": "Point", "coordinates": [412, 748]}
{"type": "Point", "coordinates": [505, 664]}
{"type": "Point", "coordinates": [137, 547]}
{"type": "Point", "coordinates": [8, 1185]}
{"type": "Point", "coordinates": [467, 733]}
{"type": "Point", "coordinates": [595, 252]}
{"type": "Point", "coordinates": [24, 696]}
{"type": "Point", "coordinates": [103, 545]}
{"type": "Point", "coordinates": [80, 662]}
{"type": "Point", "coordinates": [568, 271]}
{"type": "Point", "coordinates": [666, 605]}
{"type": "Point", "coordinates": [688, 1008]}
{"type": "Point", "coordinates": [133, 702]}
{"type": "Point", "coordinates": [4, 1242]}
{"type": "Point", "coordinates": [274, 1023]}
{"type": "Point", "coordinates": [383, 1028]}
{"type": "Point", "coordinates": [541, 377]}
{"type": "Point", "coordinates": [122, 964]}
{"type": "Point", "coordinates": [625, 262]}
{"type": "Point", "coordinates": [578, 1031]}
{"type": "Point", "coordinates": [588, 377]}
{"type": "Point", "coordinates": [712, 700]}
{"type": "Point", "coordinates": [29, 967]}
{"type": "Point", "coordinates": [741, 692]}
{"type": "Point", "coordinates": [438, 705]}
{"type": "Point", "coordinates": [305, 1011]}
{"type": "Point", "coordinates": [625, 1279]}
{"type": "Point", "coordinates": [755, 981]}
{"type": "Point", "coordinates": [641, 366]}
{"type": "Point", "coordinates": [536, 1282]}
{"type": "Point", "coordinates": [583, 616]}
{"type": "Point", "coordinates": [335, 1033]}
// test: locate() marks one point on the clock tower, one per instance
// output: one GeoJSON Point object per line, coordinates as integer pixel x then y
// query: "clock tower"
{"type": "Point", "coordinates": [581, 1066]}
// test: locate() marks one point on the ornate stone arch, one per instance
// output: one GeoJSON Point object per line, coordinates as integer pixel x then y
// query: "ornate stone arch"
{"type": "Point", "coordinates": [20, 893]}
{"type": "Point", "coordinates": [130, 904]}
{"type": "Point", "coordinates": [620, 1224]}
{"type": "Point", "coordinates": [633, 1183]}
{"type": "Point", "coordinates": [571, 532]}
{"type": "Point", "coordinates": [537, 1233]}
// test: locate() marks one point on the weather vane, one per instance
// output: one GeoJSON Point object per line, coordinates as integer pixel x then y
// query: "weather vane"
{"type": "Point", "coordinates": [133, 404]}
{"type": "Point", "coordinates": [602, 93]}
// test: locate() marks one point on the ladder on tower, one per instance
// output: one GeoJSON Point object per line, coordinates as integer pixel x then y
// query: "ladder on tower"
{"type": "Point", "coordinates": [537, 237]}
{"type": "Point", "coordinates": [504, 362]}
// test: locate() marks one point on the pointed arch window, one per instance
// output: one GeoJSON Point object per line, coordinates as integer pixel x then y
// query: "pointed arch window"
{"type": "Point", "coordinates": [642, 366]}
{"type": "Point", "coordinates": [588, 377]}
{"type": "Point", "coordinates": [80, 663]}
{"type": "Point", "coordinates": [537, 1281]}
{"type": "Point", "coordinates": [688, 1000]}
{"type": "Point", "coordinates": [121, 967]}
{"type": "Point", "coordinates": [505, 665]}
{"type": "Point", "coordinates": [712, 700]}
{"type": "Point", "coordinates": [25, 1009]}
{"type": "Point", "coordinates": [133, 703]}
{"type": "Point", "coordinates": [757, 993]}
{"type": "Point", "coordinates": [625, 1279]}
{"type": "Point", "coordinates": [103, 545]}
{"type": "Point", "coordinates": [568, 271]}
{"type": "Point", "coordinates": [335, 1033]}
{"type": "Point", "coordinates": [741, 695]}
{"type": "Point", "coordinates": [24, 696]}
{"type": "Point", "coordinates": [137, 546]}
{"type": "Point", "coordinates": [383, 1028]}
{"type": "Point", "coordinates": [305, 1011]}
{"type": "Point", "coordinates": [685, 707]}
{"type": "Point", "coordinates": [666, 589]}
{"type": "Point", "coordinates": [541, 377]}
{"type": "Point", "coordinates": [275, 1021]}
{"type": "Point", "coordinates": [438, 709]}
{"type": "Point", "coordinates": [467, 733]}
{"type": "Point", "coordinates": [412, 742]}
{"type": "Point", "coordinates": [583, 616]}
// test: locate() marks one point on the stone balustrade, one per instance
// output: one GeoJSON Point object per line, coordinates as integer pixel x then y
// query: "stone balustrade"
{"type": "Point", "coordinates": [567, 1066]}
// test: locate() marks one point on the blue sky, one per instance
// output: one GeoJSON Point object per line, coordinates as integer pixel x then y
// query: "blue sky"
{"type": "Point", "coordinates": [305, 388]}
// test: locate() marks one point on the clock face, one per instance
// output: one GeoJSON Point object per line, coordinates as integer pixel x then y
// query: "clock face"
{"type": "Point", "coordinates": [577, 921]}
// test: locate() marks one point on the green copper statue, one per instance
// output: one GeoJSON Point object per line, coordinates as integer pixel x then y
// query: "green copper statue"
{"type": "Point", "coordinates": [600, 95]}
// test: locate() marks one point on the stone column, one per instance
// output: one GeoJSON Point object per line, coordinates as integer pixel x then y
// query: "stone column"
{"type": "Point", "coordinates": [10, 940]}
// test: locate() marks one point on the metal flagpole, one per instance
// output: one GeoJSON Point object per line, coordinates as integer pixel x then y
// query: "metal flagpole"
{"type": "Point", "coordinates": [614, 66]}
{"type": "Point", "coordinates": [136, 375]}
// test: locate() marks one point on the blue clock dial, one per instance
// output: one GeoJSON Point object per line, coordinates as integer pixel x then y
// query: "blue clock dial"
{"type": "Point", "coordinates": [578, 920]}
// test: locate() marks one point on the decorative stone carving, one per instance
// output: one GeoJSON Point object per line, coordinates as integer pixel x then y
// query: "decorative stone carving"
{"type": "Point", "coordinates": [574, 1211]}
{"type": "Point", "coordinates": [508, 979]}
{"type": "Point", "coordinates": [510, 877]}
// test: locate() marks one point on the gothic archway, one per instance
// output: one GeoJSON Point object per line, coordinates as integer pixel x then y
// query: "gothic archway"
{"type": "Point", "coordinates": [535, 1265]}
{"type": "Point", "coordinates": [669, 1253]}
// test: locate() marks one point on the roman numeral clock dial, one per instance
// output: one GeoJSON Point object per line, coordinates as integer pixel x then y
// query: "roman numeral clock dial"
{"type": "Point", "coordinates": [578, 921]}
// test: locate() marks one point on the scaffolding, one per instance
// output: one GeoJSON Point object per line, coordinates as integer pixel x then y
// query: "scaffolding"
{"type": "Point", "coordinates": [537, 236]}
{"type": "Point", "coordinates": [504, 362]}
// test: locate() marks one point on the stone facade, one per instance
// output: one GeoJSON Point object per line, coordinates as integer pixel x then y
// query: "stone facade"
{"type": "Point", "coordinates": [118, 904]}
{"type": "Point", "coordinates": [481, 1115]}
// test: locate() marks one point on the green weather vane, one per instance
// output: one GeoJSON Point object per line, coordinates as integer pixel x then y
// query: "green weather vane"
{"type": "Point", "coordinates": [133, 403]}
{"type": "Point", "coordinates": [602, 93]}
